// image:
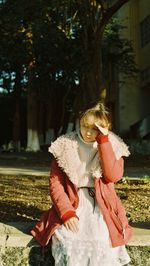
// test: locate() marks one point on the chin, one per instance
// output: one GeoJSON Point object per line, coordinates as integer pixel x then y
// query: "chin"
{"type": "Point", "coordinates": [88, 140]}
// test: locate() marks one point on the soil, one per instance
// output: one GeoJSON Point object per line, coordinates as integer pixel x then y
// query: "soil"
{"type": "Point", "coordinates": [24, 198]}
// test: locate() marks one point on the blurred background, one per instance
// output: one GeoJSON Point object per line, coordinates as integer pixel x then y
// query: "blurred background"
{"type": "Point", "coordinates": [58, 56]}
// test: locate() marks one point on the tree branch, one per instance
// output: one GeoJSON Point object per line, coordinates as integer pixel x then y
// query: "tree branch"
{"type": "Point", "coordinates": [107, 16]}
{"type": "Point", "coordinates": [114, 8]}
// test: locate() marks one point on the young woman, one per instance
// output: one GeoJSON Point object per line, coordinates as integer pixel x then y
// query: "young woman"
{"type": "Point", "coordinates": [87, 222]}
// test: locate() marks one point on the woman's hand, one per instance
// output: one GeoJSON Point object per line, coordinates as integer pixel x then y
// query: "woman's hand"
{"type": "Point", "coordinates": [103, 130]}
{"type": "Point", "coordinates": [72, 224]}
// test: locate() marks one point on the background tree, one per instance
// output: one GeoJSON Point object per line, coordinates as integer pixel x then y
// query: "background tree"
{"type": "Point", "coordinates": [55, 50]}
{"type": "Point", "coordinates": [41, 43]}
{"type": "Point", "coordinates": [88, 20]}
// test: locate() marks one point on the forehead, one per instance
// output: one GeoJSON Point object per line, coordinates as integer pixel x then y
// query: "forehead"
{"type": "Point", "coordinates": [89, 120]}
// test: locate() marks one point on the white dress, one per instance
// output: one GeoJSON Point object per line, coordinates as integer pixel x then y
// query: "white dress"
{"type": "Point", "coordinates": [91, 246]}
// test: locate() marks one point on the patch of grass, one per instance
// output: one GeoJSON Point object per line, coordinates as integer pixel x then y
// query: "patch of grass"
{"type": "Point", "coordinates": [24, 198]}
{"type": "Point", "coordinates": [33, 257]}
{"type": "Point", "coordinates": [127, 179]}
{"type": "Point", "coordinates": [135, 196]}
{"type": "Point", "coordinates": [140, 256]}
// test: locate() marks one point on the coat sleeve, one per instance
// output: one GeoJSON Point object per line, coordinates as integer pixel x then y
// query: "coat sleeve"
{"type": "Point", "coordinates": [112, 168]}
{"type": "Point", "coordinates": [58, 195]}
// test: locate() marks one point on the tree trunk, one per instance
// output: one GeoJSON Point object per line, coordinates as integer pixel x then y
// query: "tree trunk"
{"type": "Point", "coordinates": [33, 143]}
{"type": "Point", "coordinates": [17, 118]}
{"type": "Point", "coordinates": [50, 133]}
{"type": "Point", "coordinates": [41, 123]}
{"type": "Point", "coordinates": [91, 81]}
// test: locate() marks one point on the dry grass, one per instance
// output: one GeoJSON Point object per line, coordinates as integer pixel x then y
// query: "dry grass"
{"type": "Point", "coordinates": [24, 198]}
{"type": "Point", "coordinates": [135, 196]}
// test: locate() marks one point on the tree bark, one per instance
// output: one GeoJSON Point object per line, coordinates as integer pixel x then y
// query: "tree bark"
{"type": "Point", "coordinates": [17, 115]}
{"type": "Point", "coordinates": [91, 79]}
{"type": "Point", "coordinates": [33, 143]}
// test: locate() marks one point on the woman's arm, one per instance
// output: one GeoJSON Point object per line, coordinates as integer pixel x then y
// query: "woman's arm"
{"type": "Point", "coordinates": [112, 168]}
{"type": "Point", "coordinates": [58, 195]}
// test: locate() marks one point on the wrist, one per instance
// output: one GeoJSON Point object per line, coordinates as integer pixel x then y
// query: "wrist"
{"type": "Point", "coordinates": [100, 138]}
{"type": "Point", "coordinates": [68, 215]}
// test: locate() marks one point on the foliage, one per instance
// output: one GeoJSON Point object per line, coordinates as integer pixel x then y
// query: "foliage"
{"type": "Point", "coordinates": [118, 50]}
{"type": "Point", "coordinates": [55, 49]}
{"type": "Point", "coordinates": [58, 37]}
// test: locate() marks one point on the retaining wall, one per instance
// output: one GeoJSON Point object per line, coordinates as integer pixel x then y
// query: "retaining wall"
{"type": "Point", "coordinates": [18, 248]}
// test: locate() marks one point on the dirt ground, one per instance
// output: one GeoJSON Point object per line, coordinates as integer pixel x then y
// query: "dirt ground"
{"type": "Point", "coordinates": [24, 198]}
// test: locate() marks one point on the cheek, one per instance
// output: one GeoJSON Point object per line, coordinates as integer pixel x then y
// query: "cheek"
{"type": "Point", "coordinates": [82, 131]}
{"type": "Point", "coordinates": [94, 134]}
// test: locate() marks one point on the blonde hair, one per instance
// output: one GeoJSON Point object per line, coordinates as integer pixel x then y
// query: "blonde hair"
{"type": "Point", "coordinates": [100, 112]}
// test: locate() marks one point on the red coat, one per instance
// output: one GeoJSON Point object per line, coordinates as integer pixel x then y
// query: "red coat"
{"type": "Point", "coordinates": [65, 199]}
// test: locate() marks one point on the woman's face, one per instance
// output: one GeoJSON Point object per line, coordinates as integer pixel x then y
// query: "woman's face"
{"type": "Point", "coordinates": [88, 129]}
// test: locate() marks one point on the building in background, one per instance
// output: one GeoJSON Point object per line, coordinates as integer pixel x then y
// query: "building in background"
{"type": "Point", "coordinates": [133, 104]}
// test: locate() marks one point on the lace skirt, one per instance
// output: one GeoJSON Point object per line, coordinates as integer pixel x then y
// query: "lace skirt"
{"type": "Point", "coordinates": [91, 246]}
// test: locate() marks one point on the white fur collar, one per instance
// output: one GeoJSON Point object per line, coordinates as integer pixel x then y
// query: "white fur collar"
{"type": "Point", "coordinates": [65, 150]}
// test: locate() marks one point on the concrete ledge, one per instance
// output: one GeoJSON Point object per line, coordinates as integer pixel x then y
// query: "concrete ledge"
{"type": "Point", "coordinates": [38, 171]}
{"type": "Point", "coordinates": [18, 248]}
{"type": "Point", "coordinates": [18, 235]}
{"type": "Point", "coordinates": [141, 237]}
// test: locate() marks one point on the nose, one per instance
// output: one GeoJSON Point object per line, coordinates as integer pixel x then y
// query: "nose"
{"type": "Point", "coordinates": [89, 132]}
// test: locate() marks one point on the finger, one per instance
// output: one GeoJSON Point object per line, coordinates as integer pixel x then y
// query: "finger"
{"type": "Point", "coordinates": [69, 226]}
{"type": "Point", "coordinates": [96, 125]}
{"type": "Point", "coordinates": [103, 130]}
{"type": "Point", "coordinates": [75, 225]}
{"type": "Point", "coordinates": [72, 226]}
{"type": "Point", "coordinates": [66, 225]}
{"type": "Point", "coordinates": [99, 127]}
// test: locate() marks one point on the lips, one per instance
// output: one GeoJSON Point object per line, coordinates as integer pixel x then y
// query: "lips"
{"type": "Point", "coordinates": [88, 138]}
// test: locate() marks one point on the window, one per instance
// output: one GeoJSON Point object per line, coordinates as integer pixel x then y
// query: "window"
{"type": "Point", "coordinates": [145, 31]}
